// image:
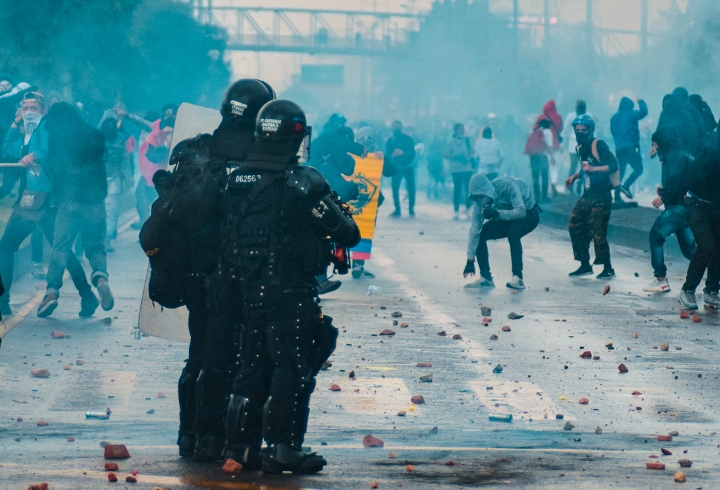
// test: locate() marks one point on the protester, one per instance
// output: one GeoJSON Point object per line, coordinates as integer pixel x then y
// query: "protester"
{"type": "Point", "coordinates": [569, 138]}
{"type": "Point", "coordinates": [489, 153]}
{"type": "Point", "coordinates": [676, 169]}
{"type": "Point", "coordinates": [540, 148]}
{"type": "Point", "coordinates": [435, 155]}
{"type": "Point", "coordinates": [508, 209]}
{"type": "Point", "coordinates": [673, 115]}
{"type": "Point", "coordinates": [153, 156]}
{"type": "Point", "coordinates": [25, 140]}
{"type": "Point", "coordinates": [556, 126]}
{"type": "Point", "coordinates": [591, 214]}
{"type": "Point", "coordinates": [626, 133]}
{"type": "Point", "coordinates": [400, 149]}
{"type": "Point", "coordinates": [459, 154]}
{"type": "Point", "coordinates": [74, 157]}
{"type": "Point", "coordinates": [117, 167]}
{"type": "Point", "coordinates": [709, 122]}
{"type": "Point", "coordinates": [703, 215]}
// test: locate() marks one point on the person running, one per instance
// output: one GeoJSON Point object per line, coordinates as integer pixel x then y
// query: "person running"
{"type": "Point", "coordinates": [504, 208]}
{"type": "Point", "coordinates": [591, 214]}
{"type": "Point", "coordinates": [626, 133]}
{"type": "Point", "coordinates": [676, 164]}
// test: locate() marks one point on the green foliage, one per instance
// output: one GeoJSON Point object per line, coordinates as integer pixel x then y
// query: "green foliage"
{"type": "Point", "coordinates": [144, 52]}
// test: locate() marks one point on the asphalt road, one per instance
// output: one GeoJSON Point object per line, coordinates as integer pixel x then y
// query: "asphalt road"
{"type": "Point", "coordinates": [449, 440]}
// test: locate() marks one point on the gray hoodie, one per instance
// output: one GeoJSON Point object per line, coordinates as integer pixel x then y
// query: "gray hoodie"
{"type": "Point", "coordinates": [510, 196]}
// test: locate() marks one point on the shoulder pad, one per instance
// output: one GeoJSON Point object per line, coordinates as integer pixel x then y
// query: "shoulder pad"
{"type": "Point", "coordinates": [308, 181]}
{"type": "Point", "coordinates": [188, 148]}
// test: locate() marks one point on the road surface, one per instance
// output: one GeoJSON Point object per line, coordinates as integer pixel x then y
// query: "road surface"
{"type": "Point", "coordinates": [449, 440]}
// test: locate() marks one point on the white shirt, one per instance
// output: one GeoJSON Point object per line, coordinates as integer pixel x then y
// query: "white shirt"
{"type": "Point", "coordinates": [568, 133]}
{"type": "Point", "coordinates": [489, 151]}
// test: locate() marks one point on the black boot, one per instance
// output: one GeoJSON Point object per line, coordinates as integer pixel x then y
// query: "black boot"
{"type": "Point", "coordinates": [188, 412]}
{"type": "Point", "coordinates": [280, 457]}
{"type": "Point", "coordinates": [243, 429]}
{"type": "Point", "coordinates": [209, 448]}
{"type": "Point", "coordinates": [186, 444]}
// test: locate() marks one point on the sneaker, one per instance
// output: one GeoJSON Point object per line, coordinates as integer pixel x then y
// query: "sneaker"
{"type": "Point", "coordinates": [712, 300]}
{"type": "Point", "coordinates": [88, 304]}
{"type": "Point", "coordinates": [456, 216]}
{"type": "Point", "coordinates": [47, 305]}
{"type": "Point", "coordinates": [658, 286]}
{"type": "Point", "coordinates": [357, 271]}
{"type": "Point", "coordinates": [607, 273]}
{"type": "Point", "coordinates": [109, 247]}
{"type": "Point", "coordinates": [515, 283]}
{"type": "Point", "coordinates": [5, 310]}
{"type": "Point", "coordinates": [328, 286]}
{"type": "Point", "coordinates": [106, 297]}
{"type": "Point", "coordinates": [280, 457]}
{"type": "Point", "coordinates": [583, 270]}
{"type": "Point", "coordinates": [368, 274]}
{"type": "Point", "coordinates": [626, 191]}
{"type": "Point", "coordinates": [687, 300]}
{"type": "Point", "coordinates": [411, 213]}
{"type": "Point", "coordinates": [480, 283]}
{"type": "Point", "coordinates": [38, 271]}
{"type": "Point", "coordinates": [395, 214]}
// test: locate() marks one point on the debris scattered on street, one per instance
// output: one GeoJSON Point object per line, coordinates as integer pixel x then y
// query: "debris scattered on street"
{"type": "Point", "coordinates": [457, 336]}
{"type": "Point", "coordinates": [40, 373]}
{"type": "Point", "coordinates": [497, 369]}
{"type": "Point", "coordinates": [387, 331]}
{"type": "Point", "coordinates": [664, 346]}
{"type": "Point", "coordinates": [372, 441]}
{"type": "Point", "coordinates": [417, 399]}
{"type": "Point", "coordinates": [335, 387]}
{"type": "Point", "coordinates": [680, 477]}
{"type": "Point", "coordinates": [116, 451]}
{"type": "Point", "coordinates": [506, 328]}
{"type": "Point", "coordinates": [514, 316]}
{"type": "Point", "coordinates": [427, 378]}
{"type": "Point", "coordinates": [606, 290]}
{"type": "Point", "coordinates": [568, 426]}
{"type": "Point", "coordinates": [396, 314]}
{"type": "Point", "coordinates": [685, 463]}
{"type": "Point", "coordinates": [654, 465]}
{"type": "Point", "coordinates": [57, 334]}
{"type": "Point", "coordinates": [231, 466]}
{"type": "Point", "coordinates": [622, 368]}
{"type": "Point", "coordinates": [583, 401]}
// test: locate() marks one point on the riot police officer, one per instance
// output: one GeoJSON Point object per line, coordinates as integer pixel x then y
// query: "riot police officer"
{"type": "Point", "coordinates": [279, 214]}
{"type": "Point", "coordinates": [195, 198]}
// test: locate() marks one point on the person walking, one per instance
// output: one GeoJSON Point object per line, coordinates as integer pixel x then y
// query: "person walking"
{"type": "Point", "coordinates": [489, 153]}
{"type": "Point", "coordinates": [676, 168]}
{"type": "Point", "coordinates": [591, 214]}
{"type": "Point", "coordinates": [504, 208]}
{"type": "Point", "coordinates": [119, 178]}
{"type": "Point", "coordinates": [400, 149]}
{"type": "Point", "coordinates": [539, 147]}
{"type": "Point", "coordinates": [74, 158]}
{"type": "Point", "coordinates": [570, 142]}
{"type": "Point", "coordinates": [626, 133]}
{"type": "Point", "coordinates": [459, 155]}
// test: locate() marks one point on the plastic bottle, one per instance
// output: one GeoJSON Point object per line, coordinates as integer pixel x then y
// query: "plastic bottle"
{"type": "Point", "coordinates": [374, 290]}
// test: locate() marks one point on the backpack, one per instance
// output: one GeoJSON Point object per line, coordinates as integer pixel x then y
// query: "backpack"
{"type": "Point", "coordinates": [615, 176]}
{"type": "Point", "coordinates": [535, 144]}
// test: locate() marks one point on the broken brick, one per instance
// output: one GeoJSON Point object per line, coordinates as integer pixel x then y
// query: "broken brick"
{"type": "Point", "coordinates": [696, 319]}
{"type": "Point", "coordinates": [387, 331]}
{"type": "Point", "coordinates": [680, 477]}
{"type": "Point", "coordinates": [606, 290]}
{"type": "Point", "coordinates": [449, 463]}
{"type": "Point", "coordinates": [40, 373]}
{"type": "Point", "coordinates": [685, 463]}
{"type": "Point", "coordinates": [664, 346]}
{"type": "Point", "coordinates": [116, 451]}
{"type": "Point", "coordinates": [423, 364]}
{"type": "Point", "coordinates": [635, 335]}
{"type": "Point", "coordinates": [666, 452]}
{"type": "Point", "coordinates": [442, 334]}
{"type": "Point", "coordinates": [664, 438]}
{"type": "Point", "coordinates": [457, 336]}
{"type": "Point", "coordinates": [39, 486]}
{"type": "Point", "coordinates": [374, 484]}
{"type": "Point", "coordinates": [372, 441]}
{"type": "Point", "coordinates": [396, 314]}
{"type": "Point", "coordinates": [404, 325]}
{"type": "Point", "coordinates": [493, 337]}
{"type": "Point", "coordinates": [56, 334]}
{"type": "Point", "coordinates": [410, 468]}
{"type": "Point", "coordinates": [514, 316]}
{"type": "Point", "coordinates": [586, 355]}
{"type": "Point", "coordinates": [392, 455]}
{"type": "Point", "coordinates": [335, 387]}
{"type": "Point", "coordinates": [111, 467]}
{"type": "Point", "coordinates": [684, 314]}
{"type": "Point", "coordinates": [598, 430]}
{"type": "Point", "coordinates": [70, 439]}
{"type": "Point", "coordinates": [622, 368]}
{"type": "Point", "coordinates": [42, 423]}
{"type": "Point", "coordinates": [131, 479]}
{"type": "Point", "coordinates": [636, 393]}
{"type": "Point", "coordinates": [427, 378]}
{"type": "Point", "coordinates": [486, 320]}
{"type": "Point", "coordinates": [583, 401]}
{"type": "Point", "coordinates": [653, 465]}
{"type": "Point", "coordinates": [417, 399]}
{"type": "Point", "coordinates": [401, 413]}
{"type": "Point", "coordinates": [112, 477]}
{"type": "Point", "coordinates": [232, 466]}
{"type": "Point", "coordinates": [161, 395]}
{"type": "Point", "coordinates": [506, 328]}
{"type": "Point", "coordinates": [67, 367]}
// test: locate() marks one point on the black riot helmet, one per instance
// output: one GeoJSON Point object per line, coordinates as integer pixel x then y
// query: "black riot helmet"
{"type": "Point", "coordinates": [244, 98]}
{"type": "Point", "coordinates": [281, 124]}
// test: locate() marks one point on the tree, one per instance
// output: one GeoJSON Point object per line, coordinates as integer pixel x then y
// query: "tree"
{"type": "Point", "coordinates": [144, 52]}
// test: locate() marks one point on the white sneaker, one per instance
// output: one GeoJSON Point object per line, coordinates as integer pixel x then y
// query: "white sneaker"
{"type": "Point", "coordinates": [658, 286]}
{"type": "Point", "coordinates": [466, 214]}
{"type": "Point", "coordinates": [456, 216]}
{"type": "Point", "coordinates": [516, 283]}
{"type": "Point", "coordinates": [480, 283]}
{"type": "Point", "coordinates": [712, 300]}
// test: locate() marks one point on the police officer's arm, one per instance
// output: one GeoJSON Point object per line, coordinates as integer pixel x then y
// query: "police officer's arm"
{"type": "Point", "coordinates": [333, 219]}
{"type": "Point", "coordinates": [518, 210]}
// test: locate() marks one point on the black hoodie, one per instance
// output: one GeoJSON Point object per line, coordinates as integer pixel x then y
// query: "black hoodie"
{"type": "Point", "coordinates": [705, 172]}
{"type": "Point", "coordinates": [676, 165]}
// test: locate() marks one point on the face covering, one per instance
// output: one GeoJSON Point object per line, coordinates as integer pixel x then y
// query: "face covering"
{"type": "Point", "coordinates": [31, 119]}
{"type": "Point", "coordinates": [582, 138]}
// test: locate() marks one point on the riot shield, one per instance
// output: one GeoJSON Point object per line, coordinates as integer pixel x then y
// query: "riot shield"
{"type": "Point", "coordinates": [153, 319]}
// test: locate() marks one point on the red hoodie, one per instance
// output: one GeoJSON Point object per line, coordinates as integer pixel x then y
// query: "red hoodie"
{"type": "Point", "coordinates": [556, 122]}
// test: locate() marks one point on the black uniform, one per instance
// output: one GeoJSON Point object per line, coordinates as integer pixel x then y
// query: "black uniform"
{"type": "Point", "coordinates": [279, 212]}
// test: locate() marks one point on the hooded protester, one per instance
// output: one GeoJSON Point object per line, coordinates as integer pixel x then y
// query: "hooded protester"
{"type": "Point", "coordinates": [676, 168]}
{"type": "Point", "coordinates": [556, 123]}
{"type": "Point", "coordinates": [699, 104]}
{"type": "Point", "coordinates": [569, 137]}
{"type": "Point", "coordinates": [34, 207]}
{"type": "Point", "coordinates": [504, 208]}
{"type": "Point", "coordinates": [591, 214]}
{"type": "Point", "coordinates": [539, 147]}
{"type": "Point", "coordinates": [682, 97]}
{"type": "Point", "coordinates": [74, 157]}
{"type": "Point", "coordinates": [626, 133]}
{"type": "Point", "coordinates": [703, 214]}
{"type": "Point", "coordinates": [11, 95]}
{"type": "Point", "coordinates": [673, 115]}
{"type": "Point", "coordinates": [400, 149]}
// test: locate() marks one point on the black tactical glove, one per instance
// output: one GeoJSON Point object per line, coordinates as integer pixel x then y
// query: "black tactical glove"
{"type": "Point", "coordinates": [469, 268]}
{"type": "Point", "coordinates": [491, 213]}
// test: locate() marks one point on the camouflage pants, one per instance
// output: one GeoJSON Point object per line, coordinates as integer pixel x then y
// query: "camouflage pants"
{"type": "Point", "coordinates": [589, 222]}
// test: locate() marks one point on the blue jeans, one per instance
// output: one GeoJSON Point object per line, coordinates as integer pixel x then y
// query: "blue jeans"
{"type": "Point", "coordinates": [670, 221]}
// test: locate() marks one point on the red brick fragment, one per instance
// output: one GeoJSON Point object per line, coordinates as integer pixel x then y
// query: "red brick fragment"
{"type": "Point", "coordinates": [664, 438]}
{"type": "Point", "coordinates": [493, 337]}
{"type": "Point", "coordinates": [457, 336]}
{"type": "Point", "coordinates": [606, 290]}
{"type": "Point", "coordinates": [116, 451]}
{"type": "Point", "coordinates": [112, 477]}
{"type": "Point", "coordinates": [696, 319]}
{"type": "Point", "coordinates": [583, 401]}
{"type": "Point", "coordinates": [374, 484]}
{"type": "Point", "coordinates": [42, 423]}
{"type": "Point", "coordinates": [653, 465]}
{"type": "Point", "coordinates": [40, 373]}
{"type": "Point", "coordinates": [417, 400]}
{"type": "Point", "coordinates": [636, 393]}
{"type": "Point", "coordinates": [684, 314]}
{"type": "Point", "coordinates": [586, 355]}
{"type": "Point", "coordinates": [387, 331]}
{"type": "Point", "coordinates": [423, 364]}
{"type": "Point", "coordinates": [57, 334]}
{"type": "Point", "coordinates": [410, 467]}
{"type": "Point", "coordinates": [666, 452]}
{"type": "Point", "coordinates": [70, 439]}
{"type": "Point", "coordinates": [232, 466]}
{"type": "Point", "coordinates": [623, 368]}
{"type": "Point", "coordinates": [161, 395]}
{"type": "Point", "coordinates": [111, 467]}
{"type": "Point", "coordinates": [506, 328]}
{"type": "Point", "coordinates": [335, 387]}
{"type": "Point", "coordinates": [486, 320]}
{"type": "Point", "coordinates": [130, 479]}
{"type": "Point", "coordinates": [372, 441]}
{"type": "Point", "coordinates": [449, 463]}
{"type": "Point", "coordinates": [39, 486]}
{"type": "Point", "coordinates": [442, 334]}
